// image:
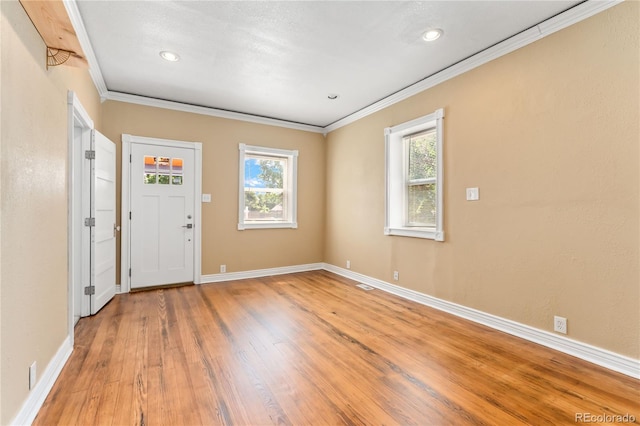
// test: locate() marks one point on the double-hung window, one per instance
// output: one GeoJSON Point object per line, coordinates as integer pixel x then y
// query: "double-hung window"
{"type": "Point", "coordinates": [268, 186]}
{"type": "Point", "coordinates": [414, 181]}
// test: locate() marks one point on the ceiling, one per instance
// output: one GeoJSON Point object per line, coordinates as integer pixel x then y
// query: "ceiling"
{"type": "Point", "coordinates": [282, 59]}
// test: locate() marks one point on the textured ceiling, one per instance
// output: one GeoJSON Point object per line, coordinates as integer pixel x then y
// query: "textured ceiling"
{"type": "Point", "coordinates": [282, 59]}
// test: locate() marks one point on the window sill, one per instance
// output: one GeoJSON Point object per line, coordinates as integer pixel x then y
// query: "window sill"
{"type": "Point", "coordinates": [267, 225]}
{"type": "Point", "coordinates": [426, 233]}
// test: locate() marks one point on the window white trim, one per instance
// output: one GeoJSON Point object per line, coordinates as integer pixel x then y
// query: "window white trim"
{"type": "Point", "coordinates": [395, 158]}
{"type": "Point", "coordinates": [290, 187]}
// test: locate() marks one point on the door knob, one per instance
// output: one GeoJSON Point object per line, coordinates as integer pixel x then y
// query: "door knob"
{"type": "Point", "coordinates": [188, 226]}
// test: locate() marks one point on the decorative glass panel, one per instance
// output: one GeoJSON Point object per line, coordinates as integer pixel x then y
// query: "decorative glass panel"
{"type": "Point", "coordinates": [176, 165]}
{"type": "Point", "coordinates": [176, 171]}
{"type": "Point", "coordinates": [163, 179]}
{"type": "Point", "coordinates": [164, 164]}
{"type": "Point", "coordinates": [149, 164]}
{"type": "Point", "coordinates": [149, 169]}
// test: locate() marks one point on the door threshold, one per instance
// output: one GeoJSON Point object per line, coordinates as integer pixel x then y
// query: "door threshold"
{"type": "Point", "coordinates": [159, 287]}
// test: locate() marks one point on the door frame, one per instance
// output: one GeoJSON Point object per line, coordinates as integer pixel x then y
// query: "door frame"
{"type": "Point", "coordinates": [125, 242]}
{"type": "Point", "coordinates": [78, 199]}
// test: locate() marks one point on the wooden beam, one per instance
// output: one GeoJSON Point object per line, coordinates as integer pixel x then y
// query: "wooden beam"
{"type": "Point", "coordinates": [52, 22]}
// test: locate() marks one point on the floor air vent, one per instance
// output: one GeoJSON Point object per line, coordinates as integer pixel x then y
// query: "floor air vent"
{"type": "Point", "coordinates": [364, 287]}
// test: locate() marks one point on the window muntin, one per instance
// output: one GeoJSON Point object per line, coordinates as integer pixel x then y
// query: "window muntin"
{"type": "Point", "coordinates": [414, 178]}
{"type": "Point", "coordinates": [267, 196]}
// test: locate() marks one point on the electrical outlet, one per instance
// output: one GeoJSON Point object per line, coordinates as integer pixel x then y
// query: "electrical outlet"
{"type": "Point", "coordinates": [348, 264]}
{"type": "Point", "coordinates": [396, 275]}
{"type": "Point", "coordinates": [560, 324]}
{"type": "Point", "coordinates": [32, 375]}
{"type": "Point", "coordinates": [223, 269]}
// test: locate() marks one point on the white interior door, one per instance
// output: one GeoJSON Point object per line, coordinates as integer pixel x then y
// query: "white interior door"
{"type": "Point", "coordinates": [162, 214]}
{"type": "Point", "coordinates": [103, 233]}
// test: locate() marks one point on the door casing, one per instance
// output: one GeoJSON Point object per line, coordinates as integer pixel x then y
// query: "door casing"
{"type": "Point", "coordinates": [125, 242]}
{"type": "Point", "coordinates": [79, 125]}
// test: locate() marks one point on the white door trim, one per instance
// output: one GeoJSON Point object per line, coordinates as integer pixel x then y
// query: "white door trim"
{"type": "Point", "coordinates": [77, 116]}
{"type": "Point", "coordinates": [125, 242]}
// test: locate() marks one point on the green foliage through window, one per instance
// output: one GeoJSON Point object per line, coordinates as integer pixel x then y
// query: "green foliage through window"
{"type": "Point", "coordinates": [264, 188]}
{"type": "Point", "coordinates": [421, 175]}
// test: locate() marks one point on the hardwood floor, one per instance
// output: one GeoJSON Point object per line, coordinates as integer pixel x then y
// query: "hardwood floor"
{"type": "Point", "coordinates": [311, 348]}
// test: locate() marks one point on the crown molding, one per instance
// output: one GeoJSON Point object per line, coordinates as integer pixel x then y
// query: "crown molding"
{"type": "Point", "coordinates": [572, 16]}
{"type": "Point", "coordinates": [213, 112]}
{"type": "Point", "coordinates": [85, 43]}
{"type": "Point", "coordinates": [545, 28]}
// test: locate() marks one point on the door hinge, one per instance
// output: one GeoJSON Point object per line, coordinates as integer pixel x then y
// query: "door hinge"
{"type": "Point", "coordinates": [90, 290]}
{"type": "Point", "coordinates": [90, 221]}
{"type": "Point", "coordinates": [90, 154]}
{"type": "Point", "coordinates": [129, 271]}
{"type": "Point", "coordinates": [129, 215]}
{"type": "Point", "coordinates": [130, 158]}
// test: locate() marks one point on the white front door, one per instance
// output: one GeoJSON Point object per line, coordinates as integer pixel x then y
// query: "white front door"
{"type": "Point", "coordinates": [103, 211]}
{"type": "Point", "coordinates": [162, 191]}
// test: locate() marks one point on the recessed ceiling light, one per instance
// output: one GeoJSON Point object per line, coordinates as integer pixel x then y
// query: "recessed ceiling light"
{"type": "Point", "coordinates": [333, 96]}
{"type": "Point", "coordinates": [169, 56]}
{"type": "Point", "coordinates": [431, 35]}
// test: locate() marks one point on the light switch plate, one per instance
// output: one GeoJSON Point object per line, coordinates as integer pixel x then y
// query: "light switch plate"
{"type": "Point", "coordinates": [206, 198]}
{"type": "Point", "coordinates": [473, 194]}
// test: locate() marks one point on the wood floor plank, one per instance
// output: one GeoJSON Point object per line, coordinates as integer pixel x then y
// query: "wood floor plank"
{"type": "Point", "coordinates": [314, 349]}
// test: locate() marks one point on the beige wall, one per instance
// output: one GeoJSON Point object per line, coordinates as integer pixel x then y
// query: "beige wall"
{"type": "Point", "coordinates": [550, 135]}
{"type": "Point", "coordinates": [222, 242]}
{"type": "Point", "coordinates": [33, 314]}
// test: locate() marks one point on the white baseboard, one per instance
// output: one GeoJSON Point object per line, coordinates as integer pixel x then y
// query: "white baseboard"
{"type": "Point", "coordinates": [38, 394]}
{"type": "Point", "coordinates": [599, 356]}
{"type": "Point", "coordinates": [257, 273]}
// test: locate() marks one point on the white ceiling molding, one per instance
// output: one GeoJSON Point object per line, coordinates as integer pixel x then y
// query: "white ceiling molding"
{"type": "Point", "coordinates": [85, 43]}
{"type": "Point", "coordinates": [558, 22]}
{"type": "Point", "coordinates": [178, 106]}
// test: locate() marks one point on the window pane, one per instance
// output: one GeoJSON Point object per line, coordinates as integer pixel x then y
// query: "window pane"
{"type": "Point", "coordinates": [421, 205]}
{"type": "Point", "coordinates": [163, 179]}
{"type": "Point", "coordinates": [149, 169]}
{"type": "Point", "coordinates": [266, 206]}
{"type": "Point", "coordinates": [262, 172]}
{"type": "Point", "coordinates": [163, 164]}
{"type": "Point", "coordinates": [263, 186]}
{"type": "Point", "coordinates": [149, 164]}
{"type": "Point", "coordinates": [176, 166]}
{"type": "Point", "coordinates": [422, 155]}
